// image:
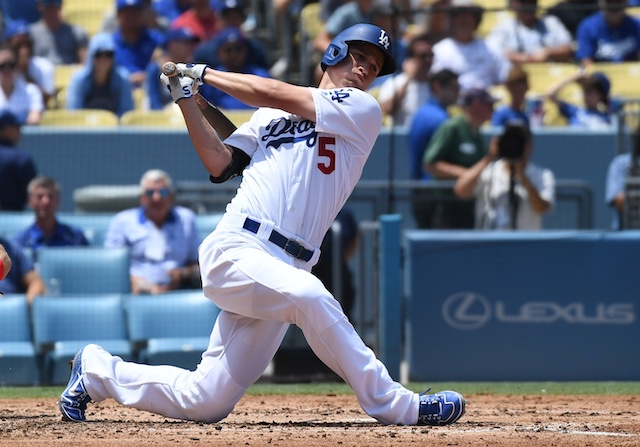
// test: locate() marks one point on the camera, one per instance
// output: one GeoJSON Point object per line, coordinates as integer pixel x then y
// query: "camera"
{"type": "Point", "coordinates": [513, 141]}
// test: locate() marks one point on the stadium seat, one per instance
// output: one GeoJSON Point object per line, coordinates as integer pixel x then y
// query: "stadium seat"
{"type": "Point", "coordinates": [79, 118]}
{"type": "Point", "coordinates": [81, 270]}
{"type": "Point", "coordinates": [93, 225]}
{"type": "Point", "coordinates": [206, 223]}
{"type": "Point", "coordinates": [172, 328]}
{"type": "Point", "coordinates": [490, 19]}
{"type": "Point", "coordinates": [64, 324]}
{"type": "Point", "coordinates": [88, 14]}
{"type": "Point", "coordinates": [62, 75]}
{"type": "Point", "coordinates": [153, 118]}
{"type": "Point", "coordinates": [18, 359]}
{"type": "Point", "coordinates": [544, 75]}
{"type": "Point", "coordinates": [11, 222]}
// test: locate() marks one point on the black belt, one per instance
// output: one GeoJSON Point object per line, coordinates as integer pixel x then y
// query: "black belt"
{"type": "Point", "coordinates": [289, 245]}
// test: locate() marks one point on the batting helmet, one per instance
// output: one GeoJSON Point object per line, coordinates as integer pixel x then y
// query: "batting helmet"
{"type": "Point", "coordinates": [362, 32]}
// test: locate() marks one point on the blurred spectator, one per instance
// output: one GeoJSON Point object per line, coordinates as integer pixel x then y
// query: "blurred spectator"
{"type": "Point", "coordinates": [455, 147]}
{"type": "Point", "coordinates": [162, 238]}
{"type": "Point", "coordinates": [402, 94]}
{"type": "Point", "coordinates": [527, 38]}
{"type": "Point", "coordinates": [596, 113]}
{"type": "Point", "coordinates": [328, 7]}
{"type": "Point", "coordinates": [47, 230]}
{"type": "Point", "coordinates": [622, 166]}
{"type": "Point", "coordinates": [135, 42]}
{"type": "Point", "coordinates": [511, 192]}
{"type": "Point", "coordinates": [35, 69]}
{"type": "Point", "coordinates": [610, 35]}
{"type": "Point", "coordinates": [232, 14]}
{"type": "Point", "coordinates": [444, 93]}
{"type": "Point", "coordinates": [179, 46]}
{"type": "Point", "coordinates": [168, 10]}
{"type": "Point", "coordinates": [517, 85]}
{"type": "Point", "coordinates": [346, 15]}
{"type": "Point", "coordinates": [5, 263]}
{"type": "Point", "coordinates": [572, 12]}
{"type": "Point", "coordinates": [232, 50]}
{"type": "Point", "coordinates": [150, 19]}
{"type": "Point", "coordinates": [324, 269]}
{"type": "Point", "coordinates": [23, 277]}
{"type": "Point", "coordinates": [54, 38]}
{"type": "Point", "coordinates": [22, 98]}
{"type": "Point", "coordinates": [477, 65]}
{"type": "Point", "coordinates": [434, 18]}
{"type": "Point", "coordinates": [26, 10]}
{"type": "Point", "coordinates": [100, 84]}
{"type": "Point", "coordinates": [17, 168]}
{"type": "Point", "coordinates": [200, 18]}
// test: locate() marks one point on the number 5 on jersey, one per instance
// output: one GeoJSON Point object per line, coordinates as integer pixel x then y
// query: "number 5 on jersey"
{"type": "Point", "coordinates": [326, 149]}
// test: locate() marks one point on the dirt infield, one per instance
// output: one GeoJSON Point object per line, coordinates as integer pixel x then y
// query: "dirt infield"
{"type": "Point", "coordinates": [334, 420]}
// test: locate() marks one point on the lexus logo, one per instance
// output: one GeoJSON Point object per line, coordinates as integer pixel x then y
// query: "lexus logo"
{"type": "Point", "coordinates": [466, 310]}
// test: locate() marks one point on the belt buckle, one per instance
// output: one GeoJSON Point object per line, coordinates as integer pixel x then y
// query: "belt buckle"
{"type": "Point", "coordinates": [293, 248]}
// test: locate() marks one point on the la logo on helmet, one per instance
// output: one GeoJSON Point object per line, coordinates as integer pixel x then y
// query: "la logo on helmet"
{"type": "Point", "coordinates": [384, 39]}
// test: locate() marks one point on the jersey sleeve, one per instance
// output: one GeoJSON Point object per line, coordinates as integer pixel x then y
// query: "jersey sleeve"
{"type": "Point", "coordinates": [245, 137]}
{"type": "Point", "coordinates": [349, 113]}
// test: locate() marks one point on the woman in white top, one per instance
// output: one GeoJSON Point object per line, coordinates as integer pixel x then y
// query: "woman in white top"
{"type": "Point", "coordinates": [22, 98]}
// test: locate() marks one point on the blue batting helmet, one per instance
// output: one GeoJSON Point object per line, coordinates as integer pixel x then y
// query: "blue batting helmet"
{"type": "Point", "coordinates": [362, 32]}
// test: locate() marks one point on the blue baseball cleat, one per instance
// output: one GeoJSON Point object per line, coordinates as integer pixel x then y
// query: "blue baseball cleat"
{"type": "Point", "coordinates": [442, 408]}
{"type": "Point", "coordinates": [74, 399]}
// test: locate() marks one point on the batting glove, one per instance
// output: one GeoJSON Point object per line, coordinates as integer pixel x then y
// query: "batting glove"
{"type": "Point", "coordinates": [193, 71]}
{"type": "Point", "coordinates": [180, 86]}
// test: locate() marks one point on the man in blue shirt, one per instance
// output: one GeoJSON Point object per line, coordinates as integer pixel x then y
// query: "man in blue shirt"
{"type": "Point", "coordinates": [444, 93]}
{"type": "Point", "coordinates": [162, 238]}
{"type": "Point", "coordinates": [22, 278]}
{"type": "Point", "coordinates": [609, 35]}
{"type": "Point", "coordinates": [135, 43]}
{"type": "Point", "coordinates": [44, 200]}
{"type": "Point", "coordinates": [17, 168]}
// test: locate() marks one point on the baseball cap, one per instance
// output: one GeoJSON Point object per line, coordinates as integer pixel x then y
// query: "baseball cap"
{"type": "Point", "coordinates": [181, 34]}
{"type": "Point", "coordinates": [229, 35]}
{"type": "Point", "coordinates": [231, 4]}
{"type": "Point", "coordinates": [8, 118]}
{"type": "Point", "coordinates": [121, 4]}
{"type": "Point", "coordinates": [603, 80]}
{"type": "Point", "coordinates": [468, 96]}
{"type": "Point", "coordinates": [16, 28]}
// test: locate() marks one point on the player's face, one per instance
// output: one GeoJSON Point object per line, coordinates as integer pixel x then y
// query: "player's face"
{"type": "Point", "coordinates": [361, 67]}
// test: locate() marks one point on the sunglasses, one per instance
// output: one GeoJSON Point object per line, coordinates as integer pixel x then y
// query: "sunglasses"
{"type": "Point", "coordinates": [164, 192]}
{"type": "Point", "coordinates": [7, 66]}
{"type": "Point", "coordinates": [233, 49]}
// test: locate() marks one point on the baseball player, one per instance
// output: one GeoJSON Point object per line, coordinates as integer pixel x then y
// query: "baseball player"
{"type": "Point", "coordinates": [301, 154]}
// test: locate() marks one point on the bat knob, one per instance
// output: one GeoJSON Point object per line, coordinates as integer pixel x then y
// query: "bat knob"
{"type": "Point", "coordinates": [170, 69]}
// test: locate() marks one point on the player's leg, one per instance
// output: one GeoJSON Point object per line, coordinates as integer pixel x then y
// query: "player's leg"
{"type": "Point", "coordinates": [283, 292]}
{"type": "Point", "coordinates": [239, 351]}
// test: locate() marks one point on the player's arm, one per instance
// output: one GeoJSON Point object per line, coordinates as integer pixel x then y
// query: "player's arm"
{"type": "Point", "coordinates": [257, 91]}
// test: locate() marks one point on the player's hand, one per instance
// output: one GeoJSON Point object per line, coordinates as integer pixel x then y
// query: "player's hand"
{"type": "Point", "coordinates": [193, 71]}
{"type": "Point", "coordinates": [180, 86]}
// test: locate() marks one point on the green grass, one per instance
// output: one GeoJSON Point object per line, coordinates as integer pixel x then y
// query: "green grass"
{"type": "Point", "coordinates": [468, 388]}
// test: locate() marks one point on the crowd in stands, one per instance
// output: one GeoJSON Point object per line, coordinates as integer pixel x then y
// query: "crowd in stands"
{"type": "Point", "coordinates": [51, 61]}
{"type": "Point", "coordinates": [455, 73]}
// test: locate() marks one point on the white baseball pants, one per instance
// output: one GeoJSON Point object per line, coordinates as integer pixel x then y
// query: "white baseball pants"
{"type": "Point", "coordinates": [261, 290]}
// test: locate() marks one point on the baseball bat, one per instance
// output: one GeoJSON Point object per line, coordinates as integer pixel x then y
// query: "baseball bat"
{"type": "Point", "coordinates": [211, 113]}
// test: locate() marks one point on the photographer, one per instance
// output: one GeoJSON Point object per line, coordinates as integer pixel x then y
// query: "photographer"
{"type": "Point", "coordinates": [511, 192]}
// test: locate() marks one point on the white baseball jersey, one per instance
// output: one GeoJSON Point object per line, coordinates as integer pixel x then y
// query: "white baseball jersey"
{"type": "Point", "coordinates": [301, 173]}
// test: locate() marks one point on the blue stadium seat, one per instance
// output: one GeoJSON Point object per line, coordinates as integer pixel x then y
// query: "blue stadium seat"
{"type": "Point", "coordinates": [64, 324]}
{"type": "Point", "coordinates": [18, 359]}
{"type": "Point", "coordinates": [206, 223]}
{"type": "Point", "coordinates": [14, 221]}
{"type": "Point", "coordinates": [172, 328]}
{"type": "Point", "coordinates": [94, 225]}
{"type": "Point", "coordinates": [86, 269]}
